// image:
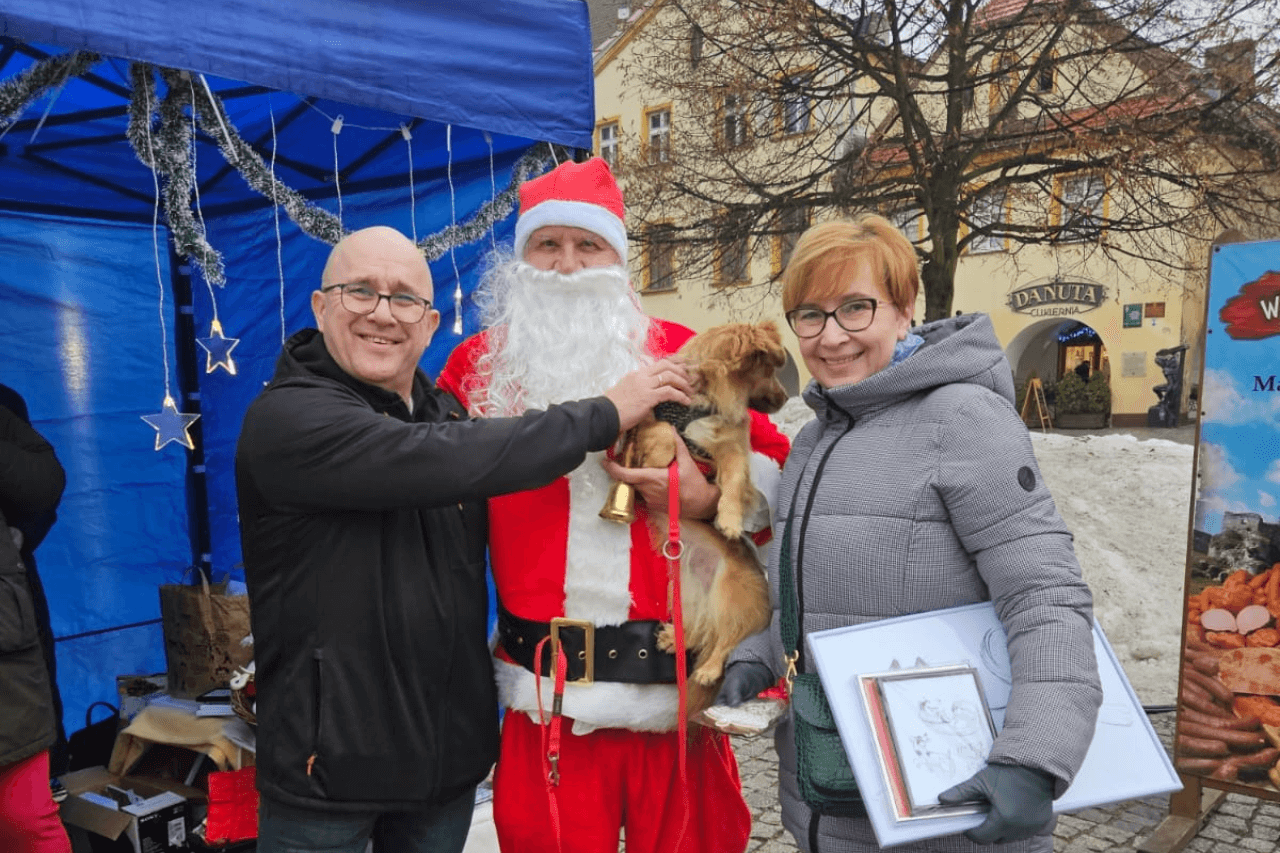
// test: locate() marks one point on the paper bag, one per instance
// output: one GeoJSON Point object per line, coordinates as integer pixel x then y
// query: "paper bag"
{"type": "Point", "coordinates": [203, 633]}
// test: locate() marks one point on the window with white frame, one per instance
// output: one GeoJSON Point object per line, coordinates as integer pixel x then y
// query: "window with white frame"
{"type": "Point", "coordinates": [608, 142]}
{"type": "Point", "coordinates": [733, 120]}
{"type": "Point", "coordinates": [796, 109]}
{"type": "Point", "coordinates": [986, 213]}
{"type": "Point", "coordinates": [658, 147]}
{"type": "Point", "coordinates": [1081, 215]}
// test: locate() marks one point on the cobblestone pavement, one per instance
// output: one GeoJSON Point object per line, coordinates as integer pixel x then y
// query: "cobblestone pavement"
{"type": "Point", "coordinates": [1240, 823]}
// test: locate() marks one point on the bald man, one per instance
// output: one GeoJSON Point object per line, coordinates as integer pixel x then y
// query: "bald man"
{"type": "Point", "coordinates": [361, 489]}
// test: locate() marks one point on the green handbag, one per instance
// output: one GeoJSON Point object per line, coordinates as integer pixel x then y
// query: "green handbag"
{"type": "Point", "coordinates": [823, 773]}
{"type": "Point", "coordinates": [822, 769]}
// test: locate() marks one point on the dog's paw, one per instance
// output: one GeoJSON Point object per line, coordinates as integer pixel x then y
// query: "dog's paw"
{"type": "Point", "coordinates": [667, 638]}
{"type": "Point", "coordinates": [729, 524]}
{"type": "Point", "coordinates": [707, 675]}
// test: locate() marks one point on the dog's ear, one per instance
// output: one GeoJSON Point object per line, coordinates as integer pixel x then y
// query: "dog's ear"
{"type": "Point", "coordinates": [728, 343]}
{"type": "Point", "coordinates": [768, 342]}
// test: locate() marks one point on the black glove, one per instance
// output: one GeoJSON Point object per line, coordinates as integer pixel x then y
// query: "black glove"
{"type": "Point", "coordinates": [1021, 802]}
{"type": "Point", "coordinates": [742, 681]}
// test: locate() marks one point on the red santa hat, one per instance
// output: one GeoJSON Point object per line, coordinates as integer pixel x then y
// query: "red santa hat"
{"type": "Point", "coordinates": [579, 195]}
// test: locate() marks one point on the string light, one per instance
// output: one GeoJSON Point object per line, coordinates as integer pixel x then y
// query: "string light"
{"type": "Point", "coordinates": [493, 187]}
{"type": "Point", "coordinates": [169, 423]}
{"type": "Point", "coordinates": [453, 223]}
{"type": "Point", "coordinates": [413, 203]}
{"type": "Point", "coordinates": [217, 347]}
{"type": "Point", "coordinates": [170, 156]}
{"type": "Point", "coordinates": [1080, 334]}
{"type": "Point", "coordinates": [336, 127]}
{"type": "Point", "coordinates": [226, 133]}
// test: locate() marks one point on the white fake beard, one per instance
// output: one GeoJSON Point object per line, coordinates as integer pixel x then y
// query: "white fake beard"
{"type": "Point", "coordinates": [555, 337]}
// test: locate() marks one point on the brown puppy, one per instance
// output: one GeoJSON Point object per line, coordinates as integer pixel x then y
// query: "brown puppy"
{"type": "Point", "coordinates": [724, 593]}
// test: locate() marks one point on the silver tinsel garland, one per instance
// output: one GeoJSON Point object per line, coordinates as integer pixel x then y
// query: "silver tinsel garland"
{"type": "Point", "coordinates": [312, 220]}
{"type": "Point", "coordinates": [161, 136]}
{"type": "Point", "coordinates": [169, 146]}
{"type": "Point", "coordinates": [17, 93]}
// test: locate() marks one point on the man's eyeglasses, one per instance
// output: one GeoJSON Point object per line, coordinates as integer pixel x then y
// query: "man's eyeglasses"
{"type": "Point", "coordinates": [359, 299]}
{"type": "Point", "coordinates": [852, 316]}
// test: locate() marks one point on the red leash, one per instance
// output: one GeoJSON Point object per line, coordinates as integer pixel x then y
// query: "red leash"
{"type": "Point", "coordinates": [672, 549]}
{"type": "Point", "coordinates": [551, 731]}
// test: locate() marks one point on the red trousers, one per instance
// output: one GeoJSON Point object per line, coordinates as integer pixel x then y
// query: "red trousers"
{"type": "Point", "coordinates": [29, 821]}
{"type": "Point", "coordinates": [615, 779]}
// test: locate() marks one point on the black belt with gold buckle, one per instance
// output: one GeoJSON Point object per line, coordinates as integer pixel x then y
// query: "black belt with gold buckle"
{"type": "Point", "coordinates": [626, 653]}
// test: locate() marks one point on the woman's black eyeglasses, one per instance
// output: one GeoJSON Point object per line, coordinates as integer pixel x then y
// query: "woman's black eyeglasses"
{"type": "Point", "coordinates": [853, 315]}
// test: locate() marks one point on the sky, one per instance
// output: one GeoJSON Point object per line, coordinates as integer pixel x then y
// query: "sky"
{"type": "Point", "coordinates": [1127, 503]}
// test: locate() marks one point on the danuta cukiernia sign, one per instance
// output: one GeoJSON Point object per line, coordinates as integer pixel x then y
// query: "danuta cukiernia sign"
{"type": "Point", "coordinates": [1057, 299]}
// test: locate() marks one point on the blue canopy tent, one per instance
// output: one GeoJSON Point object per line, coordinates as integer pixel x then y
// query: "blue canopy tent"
{"type": "Point", "coordinates": [274, 127]}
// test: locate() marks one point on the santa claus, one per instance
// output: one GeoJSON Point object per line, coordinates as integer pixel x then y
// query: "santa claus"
{"type": "Point", "coordinates": [563, 322]}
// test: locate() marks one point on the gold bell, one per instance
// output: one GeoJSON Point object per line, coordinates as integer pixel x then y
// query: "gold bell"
{"type": "Point", "coordinates": [620, 505]}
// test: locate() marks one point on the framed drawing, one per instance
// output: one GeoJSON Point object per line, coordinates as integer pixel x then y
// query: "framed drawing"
{"type": "Point", "coordinates": [932, 730]}
{"type": "Point", "coordinates": [1125, 760]}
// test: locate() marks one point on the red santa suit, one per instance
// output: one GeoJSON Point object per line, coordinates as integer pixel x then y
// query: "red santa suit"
{"type": "Point", "coordinates": [553, 556]}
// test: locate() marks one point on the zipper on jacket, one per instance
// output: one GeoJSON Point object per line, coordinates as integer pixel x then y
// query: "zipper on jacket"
{"type": "Point", "coordinates": [318, 656]}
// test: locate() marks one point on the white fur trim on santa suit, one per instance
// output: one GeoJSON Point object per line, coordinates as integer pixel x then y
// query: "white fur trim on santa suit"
{"type": "Point", "coordinates": [597, 588]}
{"type": "Point", "coordinates": [601, 705]}
{"type": "Point", "coordinates": [597, 570]}
{"type": "Point", "coordinates": [574, 214]}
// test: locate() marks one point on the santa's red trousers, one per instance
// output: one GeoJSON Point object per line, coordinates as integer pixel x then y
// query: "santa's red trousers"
{"type": "Point", "coordinates": [29, 821]}
{"type": "Point", "coordinates": [615, 779]}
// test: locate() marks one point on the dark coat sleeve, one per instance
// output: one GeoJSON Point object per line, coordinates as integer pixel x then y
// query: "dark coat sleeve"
{"type": "Point", "coordinates": [31, 478]}
{"type": "Point", "coordinates": [316, 448]}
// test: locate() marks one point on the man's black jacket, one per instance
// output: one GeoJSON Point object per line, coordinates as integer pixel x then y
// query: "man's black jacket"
{"type": "Point", "coordinates": [363, 533]}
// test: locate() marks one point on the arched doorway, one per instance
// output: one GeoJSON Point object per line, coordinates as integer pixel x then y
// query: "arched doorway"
{"type": "Point", "coordinates": [1053, 349]}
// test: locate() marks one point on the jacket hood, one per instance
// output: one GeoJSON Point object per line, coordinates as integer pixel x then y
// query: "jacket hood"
{"type": "Point", "coordinates": [305, 361]}
{"type": "Point", "coordinates": [961, 349]}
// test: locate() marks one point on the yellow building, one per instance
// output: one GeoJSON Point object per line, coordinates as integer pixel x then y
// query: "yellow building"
{"type": "Point", "coordinates": [1053, 305]}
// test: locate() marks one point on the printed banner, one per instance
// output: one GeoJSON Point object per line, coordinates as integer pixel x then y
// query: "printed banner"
{"type": "Point", "coordinates": [1229, 693]}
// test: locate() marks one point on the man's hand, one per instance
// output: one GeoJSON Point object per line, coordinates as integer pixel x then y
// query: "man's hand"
{"type": "Point", "coordinates": [743, 680]}
{"type": "Point", "coordinates": [698, 498]}
{"type": "Point", "coordinates": [639, 391]}
{"type": "Point", "coordinates": [1021, 801]}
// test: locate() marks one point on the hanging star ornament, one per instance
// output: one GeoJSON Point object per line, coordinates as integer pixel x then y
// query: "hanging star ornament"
{"type": "Point", "coordinates": [218, 349]}
{"type": "Point", "coordinates": [172, 425]}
